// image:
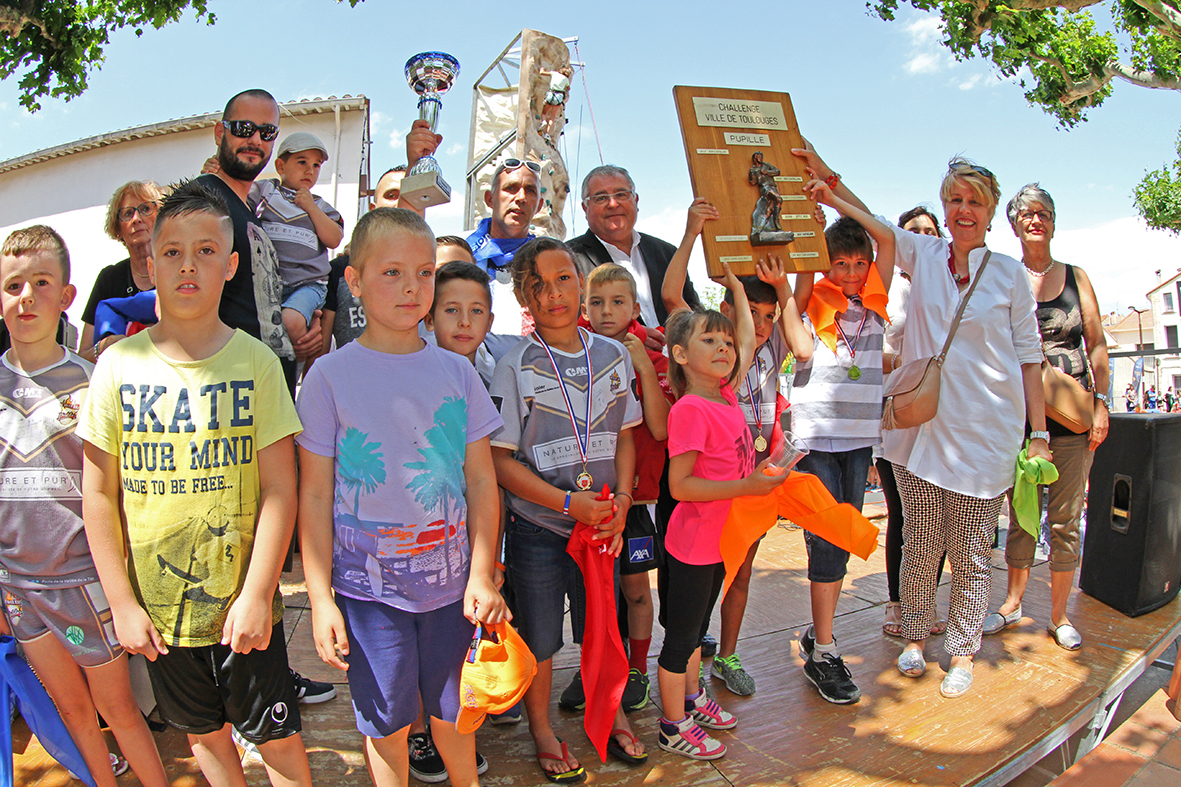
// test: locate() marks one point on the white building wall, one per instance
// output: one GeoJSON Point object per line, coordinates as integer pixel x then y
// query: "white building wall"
{"type": "Point", "coordinates": [70, 193]}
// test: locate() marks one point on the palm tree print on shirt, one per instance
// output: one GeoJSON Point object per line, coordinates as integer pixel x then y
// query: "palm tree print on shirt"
{"type": "Point", "coordinates": [439, 484]}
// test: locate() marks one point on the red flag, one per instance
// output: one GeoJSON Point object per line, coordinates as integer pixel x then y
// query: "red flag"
{"type": "Point", "coordinates": [604, 664]}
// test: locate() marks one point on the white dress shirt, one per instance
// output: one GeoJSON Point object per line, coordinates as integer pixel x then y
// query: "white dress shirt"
{"type": "Point", "coordinates": [634, 263]}
{"type": "Point", "coordinates": [971, 445]}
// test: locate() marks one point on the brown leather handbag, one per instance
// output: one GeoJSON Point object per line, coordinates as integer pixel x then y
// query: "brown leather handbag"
{"type": "Point", "coordinates": [911, 395]}
{"type": "Point", "coordinates": [1067, 402]}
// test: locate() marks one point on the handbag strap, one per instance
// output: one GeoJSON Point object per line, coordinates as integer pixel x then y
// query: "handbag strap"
{"type": "Point", "coordinates": [955, 324]}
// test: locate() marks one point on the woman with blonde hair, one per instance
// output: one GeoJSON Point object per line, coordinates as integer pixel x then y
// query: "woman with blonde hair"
{"type": "Point", "coordinates": [131, 215]}
{"type": "Point", "coordinates": [953, 471]}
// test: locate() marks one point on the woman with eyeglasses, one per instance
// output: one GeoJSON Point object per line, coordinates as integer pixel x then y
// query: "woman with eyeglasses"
{"type": "Point", "coordinates": [1071, 331]}
{"type": "Point", "coordinates": [131, 215]}
{"type": "Point", "coordinates": [953, 471]}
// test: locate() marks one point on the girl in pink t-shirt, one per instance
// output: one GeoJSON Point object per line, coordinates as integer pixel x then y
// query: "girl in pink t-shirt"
{"type": "Point", "coordinates": [711, 461]}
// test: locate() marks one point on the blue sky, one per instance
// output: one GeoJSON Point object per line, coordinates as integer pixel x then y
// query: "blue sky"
{"type": "Point", "coordinates": [884, 104]}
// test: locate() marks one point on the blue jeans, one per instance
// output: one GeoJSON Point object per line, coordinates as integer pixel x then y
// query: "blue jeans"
{"type": "Point", "coordinates": [539, 575]}
{"type": "Point", "coordinates": [843, 474]}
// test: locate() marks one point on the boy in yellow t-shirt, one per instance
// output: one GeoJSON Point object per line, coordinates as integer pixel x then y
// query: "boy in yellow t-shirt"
{"type": "Point", "coordinates": [189, 439]}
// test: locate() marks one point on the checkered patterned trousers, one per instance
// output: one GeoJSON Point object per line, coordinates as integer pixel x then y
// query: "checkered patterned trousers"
{"type": "Point", "coordinates": [934, 520]}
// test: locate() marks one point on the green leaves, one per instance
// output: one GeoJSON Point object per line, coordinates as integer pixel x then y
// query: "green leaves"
{"type": "Point", "coordinates": [1158, 197]}
{"type": "Point", "coordinates": [1067, 61]}
{"type": "Point", "coordinates": [54, 44]}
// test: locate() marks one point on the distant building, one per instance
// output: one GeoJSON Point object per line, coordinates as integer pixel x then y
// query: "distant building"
{"type": "Point", "coordinates": [1129, 332]}
{"type": "Point", "coordinates": [1165, 300]}
{"type": "Point", "coordinates": [68, 186]}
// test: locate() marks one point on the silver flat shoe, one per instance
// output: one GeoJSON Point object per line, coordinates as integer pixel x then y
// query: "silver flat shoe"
{"type": "Point", "coordinates": [956, 683]}
{"type": "Point", "coordinates": [911, 663]}
{"type": "Point", "coordinates": [995, 622]}
{"type": "Point", "coordinates": [1067, 636]}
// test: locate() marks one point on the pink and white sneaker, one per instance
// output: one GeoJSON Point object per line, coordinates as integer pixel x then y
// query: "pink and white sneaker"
{"type": "Point", "coordinates": [689, 740]}
{"type": "Point", "coordinates": [708, 713]}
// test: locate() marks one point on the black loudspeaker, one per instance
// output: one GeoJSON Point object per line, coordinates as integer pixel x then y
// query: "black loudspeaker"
{"type": "Point", "coordinates": [1132, 550]}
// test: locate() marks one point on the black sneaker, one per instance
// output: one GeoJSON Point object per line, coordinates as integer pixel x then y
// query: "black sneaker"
{"type": "Point", "coordinates": [310, 692]}
{"type": "Point", "coordinates": [709, 646]}
{"type": "Point", "coordinates": [832, 679]}
{"type": "Point", "coordinates": [425, 763]}
{"type": "Point", "coordinates": [635, 692]}
{"type": "Point", "coordinates": [574, 697]}
{"type": "Point", "coordinates": [808, 641]}
{"type": "Point", "coordinates": [481, 764]}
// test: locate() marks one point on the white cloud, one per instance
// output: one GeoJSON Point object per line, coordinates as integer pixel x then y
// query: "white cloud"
{"type": "Point", "coordinates": [927, 55]}
{"type": "Point", "coordinates": [971, 82]}
{"type": "Point", "coordinates": [397, 139]}
{"type": "Point", "coordinates": [455, 148]}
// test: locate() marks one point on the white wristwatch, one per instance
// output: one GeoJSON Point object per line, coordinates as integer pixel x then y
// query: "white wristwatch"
{"type": "Point", "coordinates": [1043, 435]}
{"type": "Point", "coordinates": [1104, 398]}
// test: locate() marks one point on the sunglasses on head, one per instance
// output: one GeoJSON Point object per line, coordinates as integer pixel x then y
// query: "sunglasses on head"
{"type": "Point", "coordinates": [515, 163]}
{"type": "Point", "coordinates": [245, 129]}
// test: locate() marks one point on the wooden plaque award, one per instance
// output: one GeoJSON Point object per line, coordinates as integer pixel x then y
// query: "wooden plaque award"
{"type": "Point", "coordinates": [738, 143]}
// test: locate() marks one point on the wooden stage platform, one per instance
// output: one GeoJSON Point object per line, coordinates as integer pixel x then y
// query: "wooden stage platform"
{"type": "Point", "coordinates": [1029, 696]}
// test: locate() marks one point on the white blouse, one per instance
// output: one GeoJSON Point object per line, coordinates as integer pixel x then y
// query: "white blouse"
{"type": "Point", "coordinates": [971, 445]}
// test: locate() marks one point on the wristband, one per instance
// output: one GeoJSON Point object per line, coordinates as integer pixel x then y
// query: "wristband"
{"type": "Point", "coordinates": [832, 180]}
{"type": "Point", "coordinates": [499, 565]}
{"type": "Point", "coordinates": [566, 505]}
{"type": "Point", "coordinates": [1042, 435]}
{"type": "Point", "coordinates": [630, 499]}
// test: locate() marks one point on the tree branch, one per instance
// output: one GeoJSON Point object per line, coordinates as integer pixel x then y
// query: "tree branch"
{"type": "Point", "coordinates": [1170, 18]}
{"type": "Point", "coordinates": [1141, 78]}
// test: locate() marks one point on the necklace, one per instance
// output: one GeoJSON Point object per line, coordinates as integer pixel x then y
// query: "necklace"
{"type": "Point", "coordinates": [1040, 274]}
{"type": "Point", "coordinates": [960, 281]}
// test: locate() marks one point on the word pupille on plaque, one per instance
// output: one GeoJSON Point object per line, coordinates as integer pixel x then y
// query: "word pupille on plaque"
{"type": "Point", "coordinates": [738, 144]}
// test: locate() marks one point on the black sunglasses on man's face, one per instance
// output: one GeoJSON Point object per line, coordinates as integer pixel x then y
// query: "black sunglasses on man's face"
{"type": "Point", "coordinates": [245, 129]}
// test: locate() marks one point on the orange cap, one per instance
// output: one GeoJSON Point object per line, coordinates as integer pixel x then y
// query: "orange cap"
{"type": "Point", "coordinates": [498, 669]}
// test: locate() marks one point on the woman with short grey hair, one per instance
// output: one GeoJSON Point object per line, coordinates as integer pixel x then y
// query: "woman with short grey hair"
{"type": "Point", "coordinates": [1072, 338]}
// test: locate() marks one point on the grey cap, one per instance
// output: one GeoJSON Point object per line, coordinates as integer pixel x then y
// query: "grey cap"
{"type": "Point", "coordinates": [301, 140]}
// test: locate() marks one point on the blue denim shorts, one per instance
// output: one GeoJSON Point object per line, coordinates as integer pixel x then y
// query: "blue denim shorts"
{"type": "Point", "coordinates": [539, 576]}
{"type": "Point", "coordinates": [305, 298]}
{"type": "Point", "coordinates": [395, 657]}
{"type": "Point", "coordinates": [843, 474]}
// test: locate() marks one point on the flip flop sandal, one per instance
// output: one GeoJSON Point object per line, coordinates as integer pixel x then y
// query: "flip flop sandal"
{"type": "Point", "coordinates": [938, 627]}
{"type": "Point", "coordinates": [893, 628]}
{"type": "Point", "coordinates": [615, 748]}
{"type": "Point", "coordinates": [566, 777]}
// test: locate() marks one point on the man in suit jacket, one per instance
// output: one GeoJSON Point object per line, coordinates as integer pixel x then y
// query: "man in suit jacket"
{"type": "Point", "coordinates": [611, 204]}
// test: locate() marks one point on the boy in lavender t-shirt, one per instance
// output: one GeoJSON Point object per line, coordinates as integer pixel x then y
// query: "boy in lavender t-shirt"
{"type": "Point", "coordinates": [398, 505]}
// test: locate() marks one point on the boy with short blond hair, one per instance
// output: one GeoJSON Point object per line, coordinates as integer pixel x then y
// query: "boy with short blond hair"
{"type": "Point", "coordinates": [398, 505]}
{"type": "Point", "coordinates": [53, 603]}
{"type": "Point", "coordinates": [189, 451]}
{"type": "Point", "coordinates": [611, 308]}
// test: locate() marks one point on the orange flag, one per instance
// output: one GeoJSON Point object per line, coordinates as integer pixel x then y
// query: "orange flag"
{"type": "Point", "coordinates": [803, 499]}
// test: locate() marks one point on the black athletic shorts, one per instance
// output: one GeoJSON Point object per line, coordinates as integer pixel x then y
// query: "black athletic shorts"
{"type": "Point", "coordinates": [643, 546]}
{"type": "Point", "coordinates": [198, 690]}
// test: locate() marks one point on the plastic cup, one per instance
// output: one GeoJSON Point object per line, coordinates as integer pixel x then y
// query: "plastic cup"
{"type": "Point", "coordinates": [785, 457]}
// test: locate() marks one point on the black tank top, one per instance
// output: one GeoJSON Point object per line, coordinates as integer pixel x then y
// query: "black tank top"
{"type": "Point", "coordinates": [1060, 322]}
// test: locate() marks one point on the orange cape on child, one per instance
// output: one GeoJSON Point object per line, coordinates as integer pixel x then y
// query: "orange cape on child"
{"type": "Point", "coordinates": [828, 301]}
{"type": "Point", "coordinates": [803, 499]}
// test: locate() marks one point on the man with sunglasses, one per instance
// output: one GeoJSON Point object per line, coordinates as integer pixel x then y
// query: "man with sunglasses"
{"type": "Point", "coordinates": [245, 137]}
{"type": "Point", "coordinates": [611, 204]}
{"type": "Point", "coordinates": [514, 198]}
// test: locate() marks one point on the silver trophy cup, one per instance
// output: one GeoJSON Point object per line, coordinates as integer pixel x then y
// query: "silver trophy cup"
{"type": "Point", "coordinates": [430, 74]}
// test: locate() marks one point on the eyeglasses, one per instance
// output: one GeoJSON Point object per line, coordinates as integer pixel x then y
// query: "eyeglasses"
{"type": "Point", "coordinates": [245, 129]}
{"type": "Point", "coordinates": [622, 197]}
{"type": "Point", "coordinates": [1027, 215]}
{"type": "Point", "coordinates": [144, 209]}
{"type": "Point", "coordinates": [516, 163]}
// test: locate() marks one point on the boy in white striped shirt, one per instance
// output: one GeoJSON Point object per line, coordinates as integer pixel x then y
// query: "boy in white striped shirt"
{"type": "Point", "coordinates": [837, 407]}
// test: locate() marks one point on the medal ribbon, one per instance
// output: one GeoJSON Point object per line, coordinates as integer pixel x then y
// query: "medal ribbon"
{"type": "Point", "coordinates": [756, 407]}
{"type": "Point", "coordinates": [857, 338]}
{"type": "Point", "coordinates": [583, 442]}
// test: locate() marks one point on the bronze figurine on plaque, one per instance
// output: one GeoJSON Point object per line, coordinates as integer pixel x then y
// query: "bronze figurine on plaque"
{"type": "Point", "coordinates": [765, 229]}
